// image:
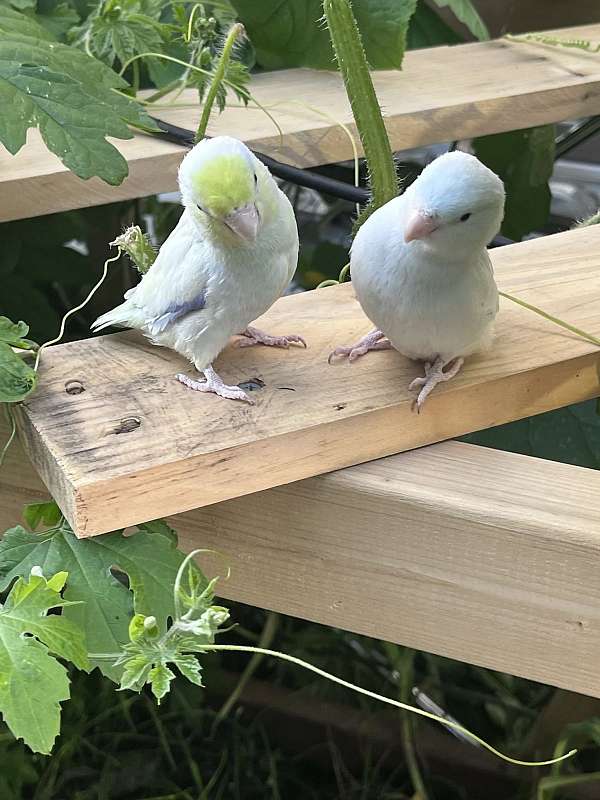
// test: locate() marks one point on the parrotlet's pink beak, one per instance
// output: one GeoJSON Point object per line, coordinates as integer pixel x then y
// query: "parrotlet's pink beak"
{"type": "Point", "coordinates": [244, 222]}
{"type": "Point", "coordinates": [420, 225]}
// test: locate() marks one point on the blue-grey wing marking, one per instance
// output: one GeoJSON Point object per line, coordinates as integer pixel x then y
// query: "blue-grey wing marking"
{"type": "Point", "coordinates": [175, 311]}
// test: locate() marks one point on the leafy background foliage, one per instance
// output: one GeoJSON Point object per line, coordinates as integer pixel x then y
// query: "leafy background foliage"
{"type": "Point", "coordinates": [67, 95]}
{"type": "Point", "coordinates": [103, 603]}
{"type": "Point", "coordinates": [33, 682]}
{"type": "Point", "coordinates": [17, 379]}
{"type": "Point", "coordinates": [524, 160]}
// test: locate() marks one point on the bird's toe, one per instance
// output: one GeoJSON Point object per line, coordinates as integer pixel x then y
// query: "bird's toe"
{"type": "Point", "coordinates": [295, 339]}
{"type": "Point", "coordinates": [339, 351]}
{"type": "Point", "coordinates": [357, 352]}
{"type": "Point", "coordinates": [417, 383]}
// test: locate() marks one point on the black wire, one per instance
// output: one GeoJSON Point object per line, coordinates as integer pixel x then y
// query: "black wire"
{"type": "Point", "coordinates": [345, 191]}
{"type": "Point", "coordinates": [567, 141]}
{"type": "Point", "coordinates": [356, 194]}
{"type": "Point", "coordinates": [300, 177]}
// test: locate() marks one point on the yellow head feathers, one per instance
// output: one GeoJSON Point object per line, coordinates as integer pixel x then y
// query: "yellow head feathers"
{"type": "Point", "coordinates": [224, 183]}
{"type": "Point", "coordinates": [218, 176]}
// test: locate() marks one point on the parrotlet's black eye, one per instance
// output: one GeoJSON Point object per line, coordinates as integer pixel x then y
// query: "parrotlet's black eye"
{"type": "Point", "coordinates": [465, 217]}
{"type": "Point", "coordinates": [255, 178]}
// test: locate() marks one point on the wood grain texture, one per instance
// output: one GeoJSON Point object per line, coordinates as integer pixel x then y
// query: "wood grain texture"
{"type": "Point", "coordinates": [191, 450]}
{"type": "Point", "coordinates": [19, 482]}
{"type": "Point", "coordinates": [441, 94]}
{"type": "Point", "coordinates": [487, 557]}
{"type": "Point", "coordinates": [479, 555]}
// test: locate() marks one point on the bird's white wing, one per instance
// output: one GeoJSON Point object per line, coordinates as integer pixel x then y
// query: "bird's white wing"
{"type": "Point", "coordinates": [176, 284]}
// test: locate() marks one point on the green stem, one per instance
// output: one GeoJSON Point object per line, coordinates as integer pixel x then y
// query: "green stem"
{"type": "Point", "coordinates": [408, 732]}
{"type": "Point", "coordinates": [158, 95]}
{"type": "Point", "coordinates": [352, 61]}
{"type": "Point", "coordinates": [201, 71]}
{"type": "Point", "coordinates": [448, 723]}
{"type": "Point", "coordinates": [13, 432]}
{"type": "Point", "coordinates": [374, 696]}
{"type": "Point", "coordinates": [268, 634]}
{"type": "Point", "coordinates": [135, 82]}
{"type": "Point", "coordinates": [548, 786]}
{"type": "Point", "coordinates": [556, 320]}
{"type": "Point", "coordinates": [72, 311]}
{"type": "Point", "coordinates": [236, 31]}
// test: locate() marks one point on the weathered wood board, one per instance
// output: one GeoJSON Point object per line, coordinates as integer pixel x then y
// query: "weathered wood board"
{"type": "Point", "coordinates": [441, 94]}
{"type": "Point", "coordinates": [136, 444]}
{"type": "Point", "coordinates": [467, 552]}
{"type": "Point", "coordinates": [479, 555]}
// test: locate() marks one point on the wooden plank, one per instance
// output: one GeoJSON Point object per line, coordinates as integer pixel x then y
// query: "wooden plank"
{"type": "Point", "coordinates": [441, 94]}
{"type": "Point", "coordinates": [467, 552]}
{"type": "Point", "coordinates": [479, 555]}
{"type": "Point", "coordinates": [19, 482]}
{"type": "Point", "coordinates": [191, 450]}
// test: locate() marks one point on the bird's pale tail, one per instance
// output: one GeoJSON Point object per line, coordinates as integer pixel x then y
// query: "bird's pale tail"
{"type": "Point", "coordinates": [119, 317]}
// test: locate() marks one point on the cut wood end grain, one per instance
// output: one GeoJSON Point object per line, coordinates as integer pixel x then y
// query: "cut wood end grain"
{"type": "Point", "coordinates": [136, 445]}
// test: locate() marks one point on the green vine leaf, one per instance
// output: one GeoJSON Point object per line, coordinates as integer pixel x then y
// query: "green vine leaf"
{"type": "Point", "coordinates": [66, 94]}
{"type": "Point", "coordinates": [289, 33]}
{"type": "Point", "coordinates": [47, 514]}
{"type": "Point", "coordinates": [17, 379]}
{"type": "Point", "coordinates": [56, 17]}
{"type": "Point", "coordinates": [32, 682]}
{"type": "Point", "coordinates": [148, 654]}
{"type": "Point", "coordinates": [149, 558]}
{"type": "Point", "coordinates": [14, 333]}
{"type": "Point", "coordinates": [524, 160]}
{"type": "Point", "coordinates": [121, 30]}
{"type": "Point", "coordinates": [428, 29]}
{"type": "Point", "coordinates": [465, 11]}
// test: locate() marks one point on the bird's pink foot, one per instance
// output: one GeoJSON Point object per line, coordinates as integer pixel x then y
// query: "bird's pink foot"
{"type": "Point", "coordinates": [214, 384]}
{"type": "Point", "coordinates": [255, 336]}
{"type": "Point", "coordinates": [434, 373]}
{"type": "Point", "coordinates": [372, 341]}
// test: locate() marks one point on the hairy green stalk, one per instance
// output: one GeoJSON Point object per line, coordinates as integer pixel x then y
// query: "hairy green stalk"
{"type": "Point", "coordinates": [236, 31]}
{"type": "Point", "coordinates": [352, 61]}
{"type": "Point", "coordinates": [554, 41]}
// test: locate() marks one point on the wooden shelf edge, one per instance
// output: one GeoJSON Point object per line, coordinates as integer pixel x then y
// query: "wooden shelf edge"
{"type": "Point", "coordinates": [189, 451]}
{"type": "Point", "coordinates": [467, 552]}
{"type": "Point", "coordinates": [438, 96]}
{"type": "Point", "coordinates": [92, 506]}
{"type": "Point", "coordinates": [472, 554]}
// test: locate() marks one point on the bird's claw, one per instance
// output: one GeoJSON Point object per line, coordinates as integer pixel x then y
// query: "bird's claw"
{"type": "Point", "coordinates": [353, 352]}
{"type": "Point", "coordinates": [372, 341]}
{"type": "Point", "coordinates": [434, 374]}
{"type": "Point", "coordinates": [253, 336]}
{"type": "Point", "coordinates": [417, 383]}
{"type": "Point", "coordinates": [215, 386]}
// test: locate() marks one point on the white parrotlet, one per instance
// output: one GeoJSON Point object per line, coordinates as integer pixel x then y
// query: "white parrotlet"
{"type": "Point", "coordinates": [422, 273]}
{"type": "Point", "coordinates": [232, 254]}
